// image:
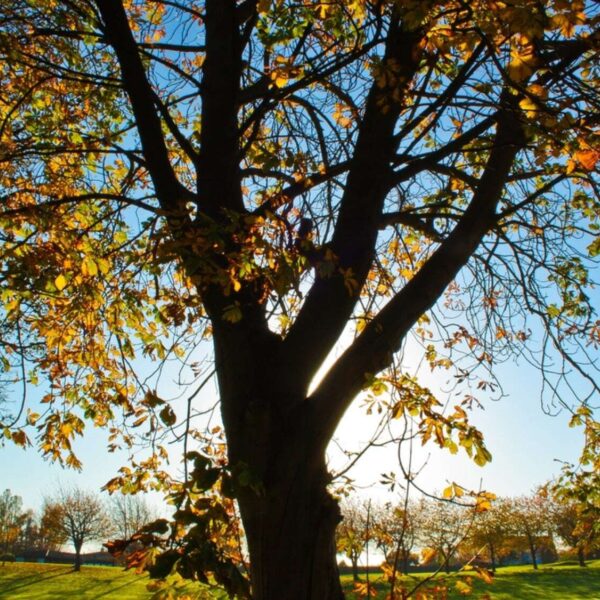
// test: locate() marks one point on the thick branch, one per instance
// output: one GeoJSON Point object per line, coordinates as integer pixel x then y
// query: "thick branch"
{"type": "Point", "coordinates": [373, 350]}
{"type": "Point", "coordinates": [136, 84]}
{"type": "Point", "coordinates": [219, 180]}
{"type": "Point", "coordinates": [329, 303]}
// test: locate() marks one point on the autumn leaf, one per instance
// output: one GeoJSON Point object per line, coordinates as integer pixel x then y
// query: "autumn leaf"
{"type": "Point", "coordinates": [60, 282]}
{"type": "Point", "coordinates": [233, 313]}
{"type": "Point", "coordinates": [587, 158]}
{"type": "Point", "coordinates": [167, 416]}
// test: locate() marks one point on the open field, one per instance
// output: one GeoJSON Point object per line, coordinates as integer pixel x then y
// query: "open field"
{"type": "Point", "coordinates": [30, 581]}
{"type": "Point", "coordinates": [550, 582]}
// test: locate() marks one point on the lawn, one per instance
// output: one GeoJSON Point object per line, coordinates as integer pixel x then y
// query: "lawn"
{"type": "Point", "coordinates": [558, 581]}
{"type": "Point", "coordinates": [30, 581]}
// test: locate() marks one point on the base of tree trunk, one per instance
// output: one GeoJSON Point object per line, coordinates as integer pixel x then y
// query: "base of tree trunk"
{"type": "Point", "coordinates": [291, 539]}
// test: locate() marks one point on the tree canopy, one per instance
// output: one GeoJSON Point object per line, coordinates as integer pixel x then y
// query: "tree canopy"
{"type": "Point", "coordinates": [270, 175]}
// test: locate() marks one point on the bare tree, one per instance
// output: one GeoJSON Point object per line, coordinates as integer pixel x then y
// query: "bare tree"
{"type": "Point", "coordinates": [77, 516]}
{"type": "Point", "coordinates": [128, 514]}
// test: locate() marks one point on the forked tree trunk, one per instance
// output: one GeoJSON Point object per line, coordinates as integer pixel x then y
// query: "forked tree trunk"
{"type": "Point", "coordinates": [289, 517]}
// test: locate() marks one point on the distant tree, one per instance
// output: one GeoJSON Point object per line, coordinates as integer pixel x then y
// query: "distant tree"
{"type": "Point", "coordinates": [575, 520]}
{"type": "Point", "coordinates": [575, 498]}
{"type": "Point", "coordinates": [490, 530]}
{"type": "Point", "coordinates": [28, 532]}
{"type": "Point", "coordinates": [11, 520]}
{"type": "Point", "coordinates": [353, 532]}
{"type": "Point", "coordinates": [50, 537]}
{"type": "Point", "coordinates": [77, 516]}
{"type": "Point", "coordinates": [443, 526]}
{"type": "Point", "coordinates": [128, 514]}
{"type": "Point", "coordinates": [395, 533]}
{"type": "Point", "coordinates": [529, 518]}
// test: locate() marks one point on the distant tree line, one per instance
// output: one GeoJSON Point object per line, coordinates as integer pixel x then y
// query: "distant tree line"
{"type": "Point", "coordinates": [445, 534]}
{"type": "Point", "coordinates": [71, 517]}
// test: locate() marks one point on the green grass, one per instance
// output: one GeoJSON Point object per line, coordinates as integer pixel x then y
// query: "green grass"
{"type": "Point", "coordinates": [550, 582]}
{"type": "Point", "coordinates": [30, 581]}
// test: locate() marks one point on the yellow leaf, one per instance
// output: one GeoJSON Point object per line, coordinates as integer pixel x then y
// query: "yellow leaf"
{"type": "Point", "coordinates": [521, 65]}
{"type": "Point", "coordinates": [484, 574]}
{"type": "Point", "coordinates": [427, 554]}
{"type": "Point", "coordinates": [232, 313]}
{"type": "Point", "coordinates": [60, 282]}
{"type": "Point", "coordinates": [89, 267]}
{"type": "Point", "coordinates": [528, 105]}
{"type": "Point", "coordinates": [66, 429]}
{"type": "Point", "coordinates": [280, 78]}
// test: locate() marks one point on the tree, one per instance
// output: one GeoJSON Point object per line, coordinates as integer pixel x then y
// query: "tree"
{"type": "Point", "coordinates": [76, 516]}
{"type": "Point", "coordinates": [490, 529]}
{"type": "Point", "coordinates": [443, 527]}
{"type": "Point", "coordinates": [128, 514]}
{"type": "Point", "coordinates": [395, 533]}
{"type": "Point", "coordinates": [574, 526]}
{"type": "Point", "coordinates": [267, 173]}
{"type": "Point", "coordinates": [11, 520]}
{"type": "Point", "coordinates": [575, 499]}
{"type": "Point", "coordinates": [530, 518]}
{"type": "Point", "coordinates": [51, 537]}
{"type": "Point", "coordinates": [354, 531]}
{"type": "Point", "coordinates": [575, 516]}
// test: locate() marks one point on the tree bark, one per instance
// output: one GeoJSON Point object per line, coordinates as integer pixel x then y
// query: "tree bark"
{"type": "Point", "coordinates": [405, 561]}
{"type": "Point", "coordinates": [290, 528]}
{"type": "Point", "coordinates": [277, 460]}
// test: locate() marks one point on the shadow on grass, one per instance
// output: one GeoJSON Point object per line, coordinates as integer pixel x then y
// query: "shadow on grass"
{"type": "Point", "coordinates": [33, 579]}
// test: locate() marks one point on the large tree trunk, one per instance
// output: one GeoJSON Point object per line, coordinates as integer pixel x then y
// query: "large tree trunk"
{"type": "Point", "coordinates": [290, 528]}
{"type": "Point", "coordinates": [288, 515]}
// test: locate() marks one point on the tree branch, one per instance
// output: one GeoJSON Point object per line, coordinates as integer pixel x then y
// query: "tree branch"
{"type": "Point", "coordinates": [141, 96]}
{"type": "Point", "coordinates": [329, 303]}
{"type": "Point", "coordinates": [373, 350]}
